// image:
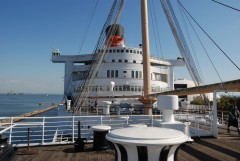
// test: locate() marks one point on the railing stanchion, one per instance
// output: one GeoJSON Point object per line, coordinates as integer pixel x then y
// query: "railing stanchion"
{"type": "Point", "coordinates": [43, 128]}
{"type": "Point", "coordinates": [101, 120]}
{"type": "Point", "coordinates": [10, 134]}
{"type": "Point", "coordinates": [28, 148]}
{"type": "Point", "coordinates": [222, 118]}
{"type": "Point", "coordinates": [73, 120]}
{"type": "Point", "coordinates": [152, 120]}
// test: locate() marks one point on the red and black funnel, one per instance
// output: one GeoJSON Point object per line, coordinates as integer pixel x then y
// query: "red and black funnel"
{"type": "Point", "coordinates": [114, 35]}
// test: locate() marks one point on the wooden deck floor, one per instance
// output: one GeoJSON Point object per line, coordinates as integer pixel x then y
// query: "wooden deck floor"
{"type": "Point", "coordinates": [225, 148]}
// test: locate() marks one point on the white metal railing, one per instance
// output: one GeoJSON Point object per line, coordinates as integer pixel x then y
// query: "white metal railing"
{"type": "Point", "coordinates": [64, 129]}
{"type": "Point", "coordinates": [61, 130]}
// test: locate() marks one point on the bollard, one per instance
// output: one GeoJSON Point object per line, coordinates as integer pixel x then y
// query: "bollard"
{"type": "Point", "coordinates": [79, 144]}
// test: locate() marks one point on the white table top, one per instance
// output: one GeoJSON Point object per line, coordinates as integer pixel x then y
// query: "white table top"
{"type": "Point", "coordinates": [147, 136]}
{"type": "Point", "coordinates": [137, 125]}
{"type": "Point", "coordinates": [101, 128]}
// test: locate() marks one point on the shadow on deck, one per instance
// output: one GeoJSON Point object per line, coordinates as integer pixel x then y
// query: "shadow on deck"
{"type": "Point", "coordinates": [226, 147]}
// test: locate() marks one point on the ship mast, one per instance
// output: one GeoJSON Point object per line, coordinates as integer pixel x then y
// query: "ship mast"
{"type": "Point", "coordinates": [146, 59]}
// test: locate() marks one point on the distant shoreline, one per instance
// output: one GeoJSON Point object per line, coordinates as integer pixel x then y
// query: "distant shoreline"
{"type": "Point", "coordinates": [29, 114]}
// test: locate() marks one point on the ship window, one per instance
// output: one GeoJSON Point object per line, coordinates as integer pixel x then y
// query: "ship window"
{"type": "Point", "coordinates": [137, 52]}
{"type": "Point", "coordinates": [132, 74]}
{"type": "Point", "coordinates": [140, 52]}
{"type": "Point", "coordinates": [112, 73]}
{"type": "Point", "coordinates": [136, 88]}
{"type": "Point", "coordinates": [154, 89]}
{"type": "Point", "coordinates": [122, 51]}
{"type": "Point", "coordinates": [134, 51]}
{"type": "Point", "coordinates": [120, 88]}
{"type": "Point", "coordinates": [126, 87]}
{"type": "Point", "coordinates": [130, 51]}
{"type": "Point", "coordinates": [110, 51]}
{"type": "Point", "coordinates": [134, 61]}
{"type": "Point", "coordinates": [127, 51]}
{"type": "Point", "coordinates": [140, 74]}
{"type": "Point", "coordinates": [125, 61]}
{"type": "Point", "coordinates": [113, 60]}
{"type": "Point", "coordinates": [136, 74]}
{"type": "Point", "coordinates": [118, 50]}
{"type": "Point", "coordinates": [94, 88]}
{"type": "Point", "coordinates": [139, 88]}
{"type": "Point", "coordinates": [108, 73]}
{"type": "Point", "coordinates": [114, 50]}
{"type": "Point", "coordinates": [132, 88]}
{"type": "Point", "coordinates": [105, 51]}
{"type": "Point", "coordinates": [120, 60]}
{"type": "Point", "coordinates": [124, 71]}
{"type": "Point", "coordinates": [116, 73]}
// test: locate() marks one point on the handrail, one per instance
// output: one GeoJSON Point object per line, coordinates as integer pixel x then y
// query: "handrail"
{"type": "Point", "coordinates": [44, 130]}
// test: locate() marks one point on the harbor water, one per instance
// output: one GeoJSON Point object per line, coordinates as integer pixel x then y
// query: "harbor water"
{"type": "Point", "coordinates": [15, 105]}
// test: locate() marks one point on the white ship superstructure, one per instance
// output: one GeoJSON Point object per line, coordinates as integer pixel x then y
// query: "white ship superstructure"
{"type": "Point", "coordinates": [121, 69]}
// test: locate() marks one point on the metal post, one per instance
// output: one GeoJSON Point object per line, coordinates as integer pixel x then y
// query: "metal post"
{"type": "Point", "coordinates": [28, 135]}
{"type": "Point", "coordinates": [73, 128]}
{"type": "Point", "coordinates": [43, 127]}
{"type": "Point", "coordinates": [214, 127]}
{"type": "Point", "coordinates": [101, 120]}
{"type": "Point", "coordinates": [222, 119]}
{"type": "Point", "coordinates": [10, 134]}
{"type": "Point", "coordinates": [146, 54]}
{"type": "Point", "coordinates": [152, 120]}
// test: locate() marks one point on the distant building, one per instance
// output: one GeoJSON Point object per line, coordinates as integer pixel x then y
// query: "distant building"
{"type": "Point", "coordinates": [184, 83]}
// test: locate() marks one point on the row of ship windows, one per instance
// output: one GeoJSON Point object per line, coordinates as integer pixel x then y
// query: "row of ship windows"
{"type": "Point", "coordinates": [120, 60]}
{"type": "Point", "coordinates": [135, 74]}
{"type": "Point", "coordinates": [114, 74]}
{"type": "Point", "coordinates": [121, 51]}
{"type": "Point", "coordinates": [120, 88]}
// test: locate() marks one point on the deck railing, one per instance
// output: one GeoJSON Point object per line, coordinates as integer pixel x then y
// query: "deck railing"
{"type": "Point", "coordinates": [63, 129]}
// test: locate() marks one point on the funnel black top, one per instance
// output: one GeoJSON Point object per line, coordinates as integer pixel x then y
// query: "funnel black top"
{"type": "Point", "coordinates": [116, 29]}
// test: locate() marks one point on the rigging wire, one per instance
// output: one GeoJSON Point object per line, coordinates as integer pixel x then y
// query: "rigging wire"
{"type": "Point", "coordinates": [88, 26]}
{"type": "Point", "coordinates": [181, 42]}
{"type": "Point", "coordinates": [153, 15]}
{"type": "Point", "coordinates": [153, 26]}
{"type": "Point", "coordinates": [209, 36]}
{"type": "Point", "coordinates": [98, 56]}
{"type": "Point", "coordinates": [226, 5]}
{"type": "Point", "coordinates": [81, 45]}
{"type": "Point", "coordinates": [191, 44]}
{"type": "Point", "coordinates": [202, 45]}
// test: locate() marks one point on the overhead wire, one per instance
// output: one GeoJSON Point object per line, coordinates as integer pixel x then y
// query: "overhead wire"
{"type": "Point", "coordinates": [226, 5]}
{"type": "Point", "coordinates": [88, 26]}
{"type": "Point", "coordinates": [202, 45]}
{"type": "Point", "coordinates": [191, 44]}
{"type": "Point", "coordinates": [97, 57]}
{"type": "Point", "coordinates": [209, 36]}
{"type": "Point", "coordinates": [156, 32]}
{"type": "Point", "coordinates": [181, 42]}
{"type": "Point", "coordinates": [80, 48]}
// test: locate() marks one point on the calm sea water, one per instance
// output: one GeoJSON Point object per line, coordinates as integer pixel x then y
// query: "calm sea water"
{"type": "Point", "coordinates": [14, 105]}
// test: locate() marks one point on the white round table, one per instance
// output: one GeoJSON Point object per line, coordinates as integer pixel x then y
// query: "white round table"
{"type": "Point", "coordinates": [137, 125]}
{"type": "Point", "coordinates": [99, 140]}
{"type": "Point", "coordinates": [146, 143]}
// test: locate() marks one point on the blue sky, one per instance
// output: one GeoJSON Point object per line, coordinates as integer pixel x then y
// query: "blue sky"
{"type": "Point", "coordinates": [30, 28]}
